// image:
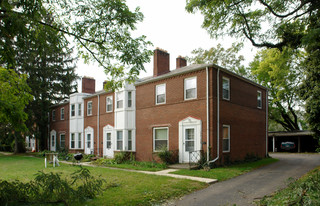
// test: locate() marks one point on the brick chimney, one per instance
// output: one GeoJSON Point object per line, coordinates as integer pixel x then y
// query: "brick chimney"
{"type": "Point", "coordinates": [161, 62]}
{"type": "Point", "coordinates": [181, 62]}
{"type": "Point", "coordinates": [88, 85]}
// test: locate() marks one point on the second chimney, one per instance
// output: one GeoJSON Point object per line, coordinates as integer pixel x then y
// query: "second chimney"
{"type": "Point", "coordinates": [181, 62]}
{"type": "Point", "coordinates": [88, 85]}
{"type": "Point", "coordinates": [161, 62]}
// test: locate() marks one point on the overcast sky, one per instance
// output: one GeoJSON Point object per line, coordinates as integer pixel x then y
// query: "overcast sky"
{"type": "Point", "coordinates": [168, 26]}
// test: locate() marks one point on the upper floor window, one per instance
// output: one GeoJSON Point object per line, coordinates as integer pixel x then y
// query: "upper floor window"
{"type": "Point", "coordinates": [190, 88]}
{"type": "Point", "coordinates": [160, 138]}
{"type": "Point", "coordinates": [73, 110]}
{"type": "Point", "coordinates": [161, 94]}
{"type": "Point", "coordinates": [129, 99]}
{"type": "Point", "coordinates": [226, 138]}
{"type": "Point", "coordinates": [109, 104]}
{"type": "Point", "coordinates": [119, 100]}
{"type": "Point", "coordinates": [53, 115]}
{"type": "Point", "coordinates": [259, 99]}
{"type": "Point", "coordinates": [79, 109]}
{"type": "Point", "coordinates": [225, 88]}
{"type": "Point", "coordinates": [62, 113]}
{"type": "Point", "coordinates": [89, 108]}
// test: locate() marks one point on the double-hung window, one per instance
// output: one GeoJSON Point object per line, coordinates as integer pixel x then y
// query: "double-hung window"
{"type": "Point", "coordinates": [226, 138]}
{"type": "Point", "coordinates": [62, 113]}
{"type": "Point", "coordinates": [160, 138]}
{"type": "Point", "coordinates": [225, 88]}
{"type": "Point", "coordinates": [62, 140]}
{"type": "Point", "coordinates": [120, 140]}
{"type": "Point", "coordinates": [53, 115]}
{"type": "Point", "coordinates": [89, 108]}
{"type": "Point", "coordinates": [79, 110]}
{"type": "Point", "coordinates": [161, 94]}
{"type": "Point", "coordinates": [72, 141]}
{"type": "Point", "coordinates": [129, 99]}
{"type": "Point", "coordinates": [79, 141]}
{"type": "Point", "coordinates": [109, 104]}
{"type": "Point", "coordinates": [129, 140]}
{"type": "Point", "coordinates": [259, 99]}
{"type": "Point", "coordinates": [73, 110]}
{"type": "Point", "coordinates": [190, 88]}
{"type": "Point", "coordinates": [119, 100]}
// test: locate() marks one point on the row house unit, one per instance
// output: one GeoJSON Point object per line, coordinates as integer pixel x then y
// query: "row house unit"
{"type": "Point", "coordinates": [190, 109]}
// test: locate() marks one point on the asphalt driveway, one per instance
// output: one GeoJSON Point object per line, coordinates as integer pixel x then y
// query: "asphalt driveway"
{"type": "Point", "coordinates": [245, 189]}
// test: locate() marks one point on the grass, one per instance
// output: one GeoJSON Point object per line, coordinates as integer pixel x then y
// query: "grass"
{"type": "Point", "coordinates": [228, 172]}
{"type": "Point", "coordinates": [133, 188]}
{"type": "Point", "coordinates": [305, 191]}
{"type": "Point", "coordinates": [133, 165]}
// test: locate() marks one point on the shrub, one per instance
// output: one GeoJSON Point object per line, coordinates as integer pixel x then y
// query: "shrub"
{"type": "Point", "coordinates": [51, 188]}
{"type": "Point", "coordinates": [167, 156]}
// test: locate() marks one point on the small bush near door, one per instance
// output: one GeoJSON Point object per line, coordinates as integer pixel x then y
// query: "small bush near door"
{"type": "Point", "coordinates": [167, 156]}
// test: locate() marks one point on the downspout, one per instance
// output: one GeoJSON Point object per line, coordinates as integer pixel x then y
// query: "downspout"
{"type": "Point", "coordinates": [98, 125]}
{"type": "Point", "coordinates": [218, 117]}
{"type": "Point", "coordinates": [208, 130]}
{"type": "Point", "coordinates": [267, 108]}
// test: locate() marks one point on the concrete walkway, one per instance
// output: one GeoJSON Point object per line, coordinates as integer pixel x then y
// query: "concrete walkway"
{"type": "Point", "coordinates": [161, 173]}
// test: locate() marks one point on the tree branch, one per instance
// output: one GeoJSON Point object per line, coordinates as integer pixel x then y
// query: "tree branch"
{"type": "Point", "coordinates": [303, 3]}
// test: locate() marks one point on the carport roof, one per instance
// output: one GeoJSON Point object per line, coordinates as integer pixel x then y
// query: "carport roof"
{"type": "Point", "coordinates": [291, 133]}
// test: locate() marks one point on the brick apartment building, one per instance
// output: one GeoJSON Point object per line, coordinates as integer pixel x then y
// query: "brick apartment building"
{"type": "Point", "coordinates": [190, 109]}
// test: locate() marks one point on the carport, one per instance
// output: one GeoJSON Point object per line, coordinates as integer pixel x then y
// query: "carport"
{"type": "Point", "coordinates": [303, 140]}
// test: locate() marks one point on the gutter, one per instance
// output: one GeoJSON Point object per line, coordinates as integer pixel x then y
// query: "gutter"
{"type": "Point", "coordinates": [267, 108]}
{"type": "Point", "coordinates": [218, 117]}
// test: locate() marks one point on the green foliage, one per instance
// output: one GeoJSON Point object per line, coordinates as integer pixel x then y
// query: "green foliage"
{"type": "Point", "coordinates": [51, 188]}
{"type": "Point", "coordinates": [280, 71]}
{"type": "Point", "coordinates": [227, 58]}
{"type": "Point", "coordinates": [305, 191]}
{"type": "Point", "coordinates": [167, 156]}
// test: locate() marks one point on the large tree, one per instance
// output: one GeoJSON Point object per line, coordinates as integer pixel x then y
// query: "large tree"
{"type": "Point", "coordinates": [271, 24]}
{"type": "Point", "coordinates": [280, 72]}
{"type": "Point", "coordinates": [14, 96]}
{"type": "Point", "coordinates": [228, 58]}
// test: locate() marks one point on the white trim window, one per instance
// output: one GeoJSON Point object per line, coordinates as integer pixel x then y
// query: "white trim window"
{"type": "Point", "coordinates": [129, 140]}
{"type": "Point", "coordinates": [226, 138]}
{"type": "Point", "coordinates": [120, 140]}
{"type": "Point", "coordinates": [190, 88]}
{"type": "Point", "coordinates": [259, 99]}
{"type": "Point", "coordinates": [72, 141]}
{"type": "Point", "coordinates": [79, 140]}
{"type": "Point", "coordinates": [109, 106]}
{"type": "Point", "coordinates": [62, 113]}
{"type": "Point", "coordinates": [161, 94]}
{"type": "Point", "coordinates": [119, 98]}
{"type": "Point", "coordinates": [160, 138]}
{"type": "Point", "coordinates": [129, 99]}
{"type": "Point", "coordinates": [53, 115]}
{"type": "Point", "coordinates": [225, 88]}
{"type": "Point", "coordinates": [62, 140]}
{"type": "Point", "coordinates": [73, 110]}
{"type": "Point", "coordinates": [89, 108]}
{"type": "Point", "coordinates": [79, 110]}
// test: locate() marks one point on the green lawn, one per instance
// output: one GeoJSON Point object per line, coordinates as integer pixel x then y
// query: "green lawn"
{"type": "Point", "coordinates": [134, 188]}
{"type": "Point", "coordinates": [224, 173]}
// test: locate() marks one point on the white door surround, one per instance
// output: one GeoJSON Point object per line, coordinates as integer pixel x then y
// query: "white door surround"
{"type": "Point", "coordinates": [108, 141]}
{"type": "Point", "coordinates": [89, 140]}
{"type": "Point", "coordinates": [190, 130]}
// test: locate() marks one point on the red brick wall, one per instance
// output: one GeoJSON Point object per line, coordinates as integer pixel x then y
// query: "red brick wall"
{"type": "Point", "coordinates": [61, 126]}
{"type": "Point", "coordinates": [247, 122]}
{"type": "Point", "coordinates": [104, 119]}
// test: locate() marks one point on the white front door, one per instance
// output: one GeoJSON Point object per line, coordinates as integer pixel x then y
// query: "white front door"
{"type": "Point", "coordinates": [89, 144]}
{"type": "Point", "coordinates": [108, 145]}
{"type": "Point", "coordinates": [189, 140]}
{"type": "Point", "coordinates": [88, 148]}
{"type": "Point", "coordinates": [53, 140]}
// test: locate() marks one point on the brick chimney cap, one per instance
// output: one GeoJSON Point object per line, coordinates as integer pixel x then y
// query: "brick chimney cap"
{"type": "Point", "coordinates": [161, 50]}
{"type": "Point", "coordinates": [181, 57]}
{"type": "Point", "coordinates": [87, 77]}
